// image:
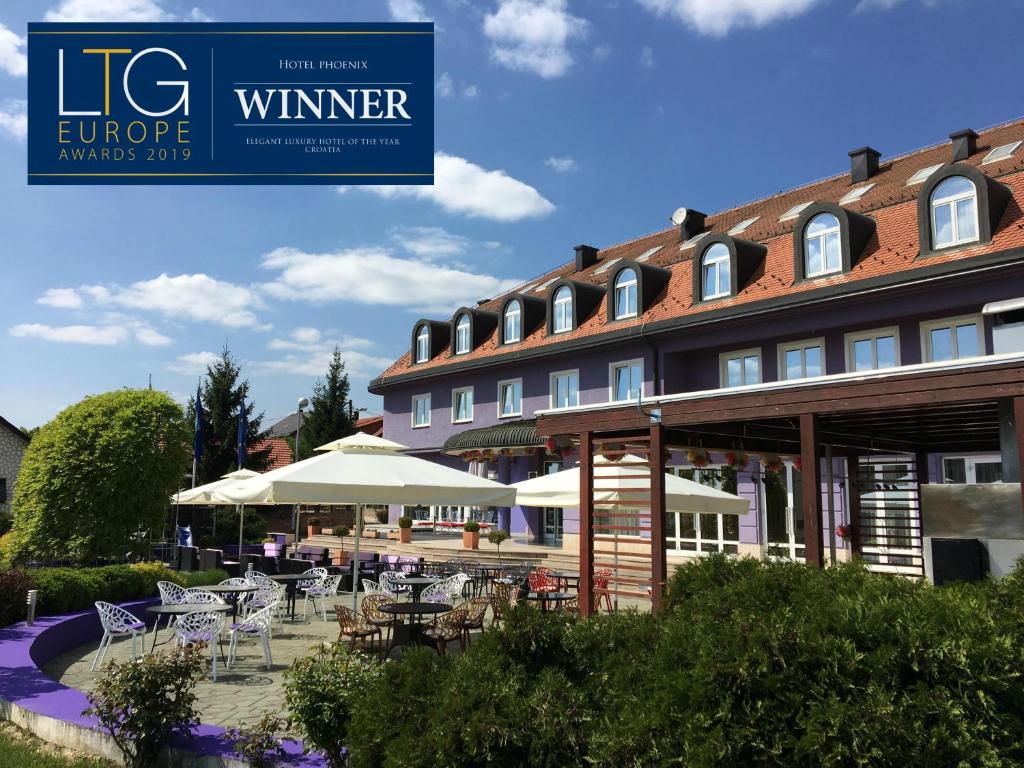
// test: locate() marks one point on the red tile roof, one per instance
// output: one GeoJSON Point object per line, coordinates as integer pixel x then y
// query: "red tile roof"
{"type": "Point", "coordinates": [371, 425]}
{"type": "Point", "coordinates": [280, 452]}
{"type": "Point", "coordinates": [893, 249]}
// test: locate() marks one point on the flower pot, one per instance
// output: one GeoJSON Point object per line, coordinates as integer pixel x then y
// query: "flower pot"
{"type": "Point", "coordinates": [313, 530]}
{"type": "Point", "coordinates": [471, 539]}
{"type": "Point", "coordinates": [405, 535]}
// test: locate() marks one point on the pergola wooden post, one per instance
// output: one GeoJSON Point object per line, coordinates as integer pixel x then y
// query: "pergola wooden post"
{"type": "Point", "coordinates": [659, 562]}
{"type": "Point", "coordinates": [814, 550]}
{"type": "Point", "coordinates": [853, 495]}
{"type": "Point", "coordinates": [586, 584]}
{"type": "Point", "coordinates": [1018, 421]}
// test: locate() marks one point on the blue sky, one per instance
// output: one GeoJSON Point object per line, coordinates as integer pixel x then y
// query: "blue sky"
{"type": "Point", "coordinates": [557, 122]}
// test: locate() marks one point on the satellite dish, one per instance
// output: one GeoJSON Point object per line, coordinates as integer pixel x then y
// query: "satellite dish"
{"type": "Point", "coordinates": [679, 216]}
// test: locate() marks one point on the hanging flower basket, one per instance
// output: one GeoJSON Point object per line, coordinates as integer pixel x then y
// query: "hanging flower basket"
{"type": "Point", "coordinates": [798, 464]}
{"type": "Point", "coordinates": [844, 531]}
{"type": "Point", "coordinates": [772, 464]}
{"type": "Point", "coordinates": [551, 444]}
{"type": "Point", "coordinates": [698, 457]}
{"type": "Point", "coordinates": [737, 460]}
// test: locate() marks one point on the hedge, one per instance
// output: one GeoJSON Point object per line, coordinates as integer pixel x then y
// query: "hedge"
{"type": "Point", "coordinates": [63, 590]}
{"type": "Point", "coordinates": [753, 664]}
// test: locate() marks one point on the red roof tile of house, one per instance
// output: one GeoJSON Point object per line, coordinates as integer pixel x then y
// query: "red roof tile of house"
{"type": "Point", "coordinates": [893, 249]}
{"type": "Point", "coordinates": [280, 452]}
{"type": "Point", "coordinates": [371, 425]}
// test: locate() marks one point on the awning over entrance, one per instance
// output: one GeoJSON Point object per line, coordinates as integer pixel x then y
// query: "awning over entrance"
{"type": "Point", "coordinates": [516, 434]}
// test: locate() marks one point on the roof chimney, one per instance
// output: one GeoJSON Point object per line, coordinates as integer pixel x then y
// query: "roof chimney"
{"type": "Point", "coordinates": [863, 164]}
{"type": "Point", "coordinates": [689, 221]}
{"type": "Point", "coordinates": [585, 256]}
{"type": "Point", "coordinates": [965, 144]}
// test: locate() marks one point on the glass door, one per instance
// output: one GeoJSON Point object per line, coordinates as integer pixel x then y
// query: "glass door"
{"type": "Point", "coordinates": [553, 525]}
{"type": "Point", "coordinates": [782, 501]}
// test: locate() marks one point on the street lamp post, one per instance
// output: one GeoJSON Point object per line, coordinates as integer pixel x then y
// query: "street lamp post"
{"type": "Point", "coordinates": [303, 402]}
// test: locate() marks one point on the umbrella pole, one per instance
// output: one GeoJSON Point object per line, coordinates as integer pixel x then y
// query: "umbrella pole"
{"type": "Point", "coordinates": [240, 509]}
{"type": "Point", "coordinates": [355, 557]}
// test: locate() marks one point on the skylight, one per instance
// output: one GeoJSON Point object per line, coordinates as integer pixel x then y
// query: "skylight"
{"type": "Point", "coordinates": [743, 225]}
{"type": "Point", "coordinates": [693, 240]}
{"type": "Point", "coordinates": [795, 211]}
{"type": "Point", "coordinates": [1001, 153]}
{"type": "Point", "coordinates": [923, 174]}
{"type": "Point", "coordinates": [855, 194]}
{"type": "Point", "coordinates": [605, 267]}
{"type": "Point", "coordinates": [527, 289]}
{"type": "Point", "coordinates": [545, 284]}
{"type": "Point", "coordinates": [648, 253]}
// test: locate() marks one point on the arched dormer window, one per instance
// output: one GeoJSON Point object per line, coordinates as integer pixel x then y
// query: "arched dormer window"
{"type": "Point", "coordinates": [463, 339]}
{"type": "Point", "coordinates": [423, 344]}
{"type": "Point", "coordinates": [822, 250]}
{"type": "Point", "coordinates": [625, 294]}
{"type": "Point", "coordinates": [512, 323]}
{"type": "Point", "coordinates": [715, 272]}
{"type": "Point", "coordinates": [561, 320]}
{"type": "Point", "coordinates": [954, 212]}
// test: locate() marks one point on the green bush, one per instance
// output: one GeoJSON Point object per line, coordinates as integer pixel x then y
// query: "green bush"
{"type": "Point", "coordinates": [471, 526]}
{"type": "Point", "coordinates": [754, 664]}
{"type": "Point", "coordinates": [14, 587]}
{"type": "Point", "coordinates": [405, 522]}
{"type": "Point", "coordinates": [204, 578]}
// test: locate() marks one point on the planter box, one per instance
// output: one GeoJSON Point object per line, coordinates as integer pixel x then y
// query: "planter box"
{"type": "Point", "coordinates": [405, 535]}
{"type": "Point", "coordinates": [471, 540]}
{"type": "Point", "coordinates": [313, 530]}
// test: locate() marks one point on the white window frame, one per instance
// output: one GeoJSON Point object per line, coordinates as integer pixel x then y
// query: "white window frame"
{"type": "Point", "coordinates": [423, 336]}
{"type": "Point", "coordinates": [951, 201]}
{"type": "Point", "coordinates": [725, 357]}
{"type": "Point", "coordinates": [556, 304]}
{"type": "Point", "coordinates": [971, 462]}
{"type": "Point", "coordinates": [719, 541]}
{"type": "Point", "coordinates": [927, 326]}
{"type": "Point", "coordinates": [717, 263]}
{"type": "Point", "coordinates": [512, 309]}
{"type": "Point", "coordinates": [463, 333]}
{"type": "Point", "coordinates": [837, 230]}
{"type": "Point", "coordinates": [455, 393]}
{"type": "Point", "coordinates": [613, 367]}
{"type": "Point", "coordinates": [632, 297]}
{"type": "Point", "coordinates": [501, 387]}
{"type": "Point", "coordinates": [802, 346]}
{"type": "Point", "coordinates": [552, 388]}
{"type": "Point", "coordinates": [415, 399]}
{"type": "Point", "coordinates": [874, 334]}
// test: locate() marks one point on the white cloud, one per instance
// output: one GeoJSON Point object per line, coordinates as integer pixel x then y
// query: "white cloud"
{"type": "Point", "coordinates": [561, 164]}
{"type": "Point", "coordinates": [533, 35]}
{"type": "Point", "coordinates": [13, 60]}
{"type": "Point", "coordinates": [444, 86]}
{"type": "Point", "coordinates": [193, 364]}
{"type": "Point", "coordinates": [470, 92]}
{"type": "Point", "coordinates": [14, 118]}
{"type": "Point", "coordinates": [61, 298]}
{"type": "Point", "coordinates": [113, 331]}
{"type": "Point", "coordinates": [306, 335]}
{"type": "Point", "coordinates": [647, 56]}
{"type": "Point", "coordinates": [309, 356]}
{"type": "Point", "coordinates": [602, 52]}
{"type": "Point", "coordinates": [464, 187]}
{"type": "Point", "coordinates": [377, 276]}
{"type": "Point", "coordinates": [429, 242]}
{"type": "Point", "coordinates": [718, 17]}
{"type": "Point", "coordinates": [407, 10]}
{"type": "Point", "coordinates": [118, 10]}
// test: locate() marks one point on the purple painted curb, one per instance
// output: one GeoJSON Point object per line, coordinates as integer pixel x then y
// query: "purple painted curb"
{"type": "Point", "coordinates": [24, 650]}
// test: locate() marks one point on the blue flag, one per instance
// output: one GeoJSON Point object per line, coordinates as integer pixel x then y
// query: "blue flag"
{"type": "Point", "coordinates": [243, 434]}
{"type": "Point", "coordinates": [197, 439]}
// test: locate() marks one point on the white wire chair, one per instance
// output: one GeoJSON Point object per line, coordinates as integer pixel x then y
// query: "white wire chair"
{"type": "Point", "coordinates": [314, 574]}
{"type": "Point", "coordinates": [392, 583]}
{"type": "Point", "coordinates": [199, 596]}
{"type": "Point", "coordinates": [251, 576]}
{"type": "Point", "coordinates": [268, 593]}
{"type": "Point", "coordinates": [256, 624]}
{"type": "Point", "coordinates": [201, 627]}
{"type": "Point", "coordinates": [170, 594]}
{"type": "Point", "coordinates": [117, 622]}
{"type": "Point", "coordinates": [371, 587]}
{"type": "Point", "coordinates": [445, 591]}
{"type": "Point", "coordinates": [326, 586]}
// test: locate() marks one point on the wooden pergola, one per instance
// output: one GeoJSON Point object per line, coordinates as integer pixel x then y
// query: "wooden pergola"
{"type": "Point", "coordinates": [975, 405]}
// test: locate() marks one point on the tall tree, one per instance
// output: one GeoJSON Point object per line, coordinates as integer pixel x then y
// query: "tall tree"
{"type": "Point", "coordinates": [223, 391]}
{"type": "Point", "coordinates": [330, 416]}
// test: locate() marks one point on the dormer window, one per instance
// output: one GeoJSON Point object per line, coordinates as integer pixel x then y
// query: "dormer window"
{"type": "Point", "coordinates": [822, 249]}
{"type": "Point", "coordinates": [954, 207]}
{"type": "Point", "coordinates": [625, 294]}
{"type": "Point", "coordinates": [562, 305]}
{"type": "Point", "coordinates": [423, 344]}
{"type": "Point", "coordinates": [462, 335]}
{"type": "Point", "coordinates": [715, 272]}
{"type": "Point", "coordinates": [512, 323]}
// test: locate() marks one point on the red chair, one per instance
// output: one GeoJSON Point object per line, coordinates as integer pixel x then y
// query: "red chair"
{"type": "Point", "coordinates": [541, 581]}
{"type": "Point", "coordinates": [601, 579]}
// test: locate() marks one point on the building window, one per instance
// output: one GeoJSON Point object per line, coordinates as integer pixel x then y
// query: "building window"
{"type": "Point", "coordinates": [462, 335]}
{"type": "Point", "coordinates": [420, 411]}
{"type": "Point", "coordinates": [872, 350]}
{"type": "Point", "coordinates": [510, 398]}
{"type": "Point", "coordinates": [952, 339]}
{"type": "Point", "coordinates": [715, 272]}
{"type": "Point", "coordinates": [562, 310]}
{"type": "Point", "coordinates": [703, 533]}
{"type": "Point", "coordinates": [462, 405]}
{"type": "Point", "coordinates": [422, 344]}
{"type": "Point", "coordinates": [954, 205]}
{"type": "Point", "coordinates": [802, 359]}
{"type": "Point", "coordinates": [625, 294]}
{"type": "Point", "coordinates": [972, 470]}
{"type": "Point", "coordinates": [512, 328]}
{"type": "Point", "coordinates": [565, 389]}
{"type": "Point", "coordinates": [739, 369]}
{"type": "Point", "coordinates": [822, 248]}
{"type": "Point", "coordinates": [627, 380]}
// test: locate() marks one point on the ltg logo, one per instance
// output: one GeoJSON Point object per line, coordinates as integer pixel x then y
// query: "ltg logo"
{"type": "Point", "coordinates": [107, 54]}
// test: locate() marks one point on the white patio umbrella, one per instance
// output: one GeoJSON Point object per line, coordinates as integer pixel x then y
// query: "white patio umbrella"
{"type": "Point", "coordinates": [363, 469]}
{"type": "Point", "coordinates": [562, 489]}
{"type": "Point", "coordinates": [203, 496]}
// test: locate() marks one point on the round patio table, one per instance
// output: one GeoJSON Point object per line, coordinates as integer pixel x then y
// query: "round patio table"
{"type": "Point", "coordinates": [291, 584]}
{"type": "Point", "coordinates": [566, 577]}
{"type": "Point", "coordinates": [414, 610]}
{"type": "Point", "coordinates": [418, 584]}
{"type": "Point", "coordinates": [545, 597]}
{"type": "Point", "coordinates": [180, 609]}
{"type": "Point", "coordinates": [232, 594]}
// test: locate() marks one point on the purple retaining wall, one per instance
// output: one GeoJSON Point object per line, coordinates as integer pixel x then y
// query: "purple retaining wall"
{"type": "Point", "coordinates": [24, 685]}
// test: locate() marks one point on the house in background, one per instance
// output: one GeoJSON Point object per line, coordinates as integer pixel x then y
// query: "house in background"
{"type": "Point", "coordinates": [12, 448]}
{"type": "Point", "coordinates": [867, 287]}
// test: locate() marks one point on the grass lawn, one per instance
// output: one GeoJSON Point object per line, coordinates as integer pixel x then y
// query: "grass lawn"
{"type": "Point", "coordinates": [19, 749]}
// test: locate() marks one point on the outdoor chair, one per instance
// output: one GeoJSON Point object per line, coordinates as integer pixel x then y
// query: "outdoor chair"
{"type": "Point", "coordinates": [201, 628]}
{"type": "Point", "coordinates": [199, 596]}
{"type": "Point", "coordinates": [391, 582]}
{"type": "Point", "coordinates": [268, 594]}
{"type": "Point", "coordinates": [252, 576]}
{"type": "Point", "coordinates": [117, 622]}
{"type": "Point", "coordinates": [408, 564]}
{"type": "Point", "coordinates": [601, 592]}
{"type": "Point", "coordinates": [257, 624]}
{"type": "Point", "coordinates": [326, 587]}
{"type": "Point", "coordinates": [444, 629]}
{"type": "Point", "coordinates": [314, 575]}
{"type": "Point", "coordinates": [541, 581]}
{"type": "Point", "coordinates": [355, 628]}
{"type": "Point", "coordinates": [238, 581]}
{"type": "Point", "coordinates": [503, 598]}
{"type": "Point", "coordinates": [371, 587]}
{"type": "Point", "coordinates": [476, 610]}
{"type": "Point", "coordinates": [170, 594]}
{"type": "Point", "coordinates": [378, 618]}
{"type": "Point", "coordinates": [445, 591]}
